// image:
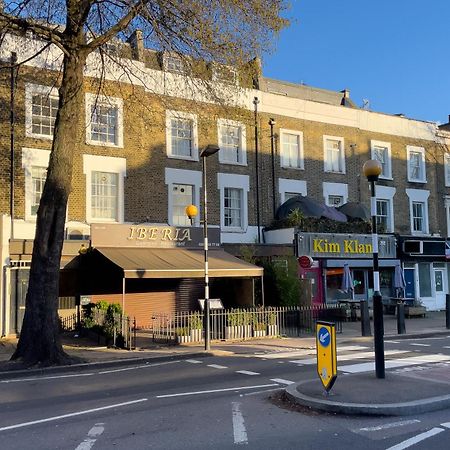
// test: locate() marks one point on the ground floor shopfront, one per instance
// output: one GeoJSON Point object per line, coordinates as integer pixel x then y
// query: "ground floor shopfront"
{"type": "Point", "coordinates": [333, 254]}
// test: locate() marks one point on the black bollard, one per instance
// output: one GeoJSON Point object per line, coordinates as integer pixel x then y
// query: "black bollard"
{"type": "Point", "coordinates": [447, 311]}
{"type": "Point", "coordinates": [365, 318]}
{"type": "Point", "coordinates": [401, 328]}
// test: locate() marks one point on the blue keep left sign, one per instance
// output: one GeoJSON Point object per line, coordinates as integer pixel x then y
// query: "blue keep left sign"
{"type": "Point", "coordinates": [324, 337]}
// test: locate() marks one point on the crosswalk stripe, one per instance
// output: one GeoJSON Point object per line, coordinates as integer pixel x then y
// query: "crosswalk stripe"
{"type": "Point", "coordinates": [304, 352]}
{"type": "Point", "coordinates": [217, 366]}
{"type": "Point", "coordinates": [349, 357]}
{"type": "Point", "coordinates": [282, 381]}
{"type": "Point", "coordinates": [193, 361]}
{"type": "Point", "coordinates": [247, 372]}
{"type": "Point", "coordinates": [392, 363]}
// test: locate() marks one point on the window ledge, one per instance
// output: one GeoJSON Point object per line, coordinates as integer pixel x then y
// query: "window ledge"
{"type": "Point", "coordinates": [183, 158]}
{"type": "Point", "coordinates": [229, 163]}
{"type": "Point", "coordinates": [39, 136]}
{"type": "Point", "coordinates": [293, 168]}
{"type": "Point", "coordinates": [103, 144]}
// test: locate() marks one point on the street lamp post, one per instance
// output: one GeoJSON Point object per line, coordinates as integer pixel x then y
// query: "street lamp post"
{"type": "Point", "coordinates": [372, 169]}
{"type": "Point", "coordinates": [191, 212]}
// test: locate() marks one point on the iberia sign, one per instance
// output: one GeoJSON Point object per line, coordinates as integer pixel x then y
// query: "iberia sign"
{"type": "Point", "coordinates": [344, 245]}
{"type": "Point", "coordinates": [147, 235]}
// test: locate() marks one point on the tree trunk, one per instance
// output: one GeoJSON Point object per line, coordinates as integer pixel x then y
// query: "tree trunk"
{"type": "Point", "coordinates": [39, 342]}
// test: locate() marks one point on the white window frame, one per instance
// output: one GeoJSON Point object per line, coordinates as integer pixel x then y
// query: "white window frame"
{"type": "Point", "coordinates": [185, 116]}
{"type": "Point", "coordinates": [181, 176]}
{"type": "Point", "coordinates": [168, 55]}
{"type": "Point", "coordinates": [447, 169]}
{"type": "Point", "coordinates": [109, 164]}
{"type": "Point", "coordinates": [242, 141]}
{"type": "Point", "coordinates": [286, 185]}
{"type": "Point", "coordinates": [215, 75]}
{"type": "Point", "coordinates": [387, 146]}
{"type": "Point", "coordinates": [418, 195]}
{"type": "Point", "coordinates": [283, 160]}
{"type": "Point", "coordinates": [387, 193]}
{"type": "Point", "coordinates": [340, 189]}
{"type": "Point", "coordinates": [115, 102]}
{"type": "Point", "coordinates": [410, 149]}
{"type": "Point", "coordinates": [30, 90]}
{"type": "Point", "coordinates": [447, 213]}
{"type": "Point", "coordinates": [341, 156]}
{"type": "Point", "coordinates": [231, 180]}
{"type": "Point", "coordinates": [32, 157]}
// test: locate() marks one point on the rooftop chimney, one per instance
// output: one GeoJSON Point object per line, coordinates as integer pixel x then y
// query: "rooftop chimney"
{"type": "Point", "coordinates": [136, 42]}
{"type": "Point", "coordinates": [346, 93]}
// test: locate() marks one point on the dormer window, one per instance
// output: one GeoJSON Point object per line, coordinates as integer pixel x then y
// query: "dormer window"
{"type": "Point", "coordinates": [174, 63]}
{"type": "Point", "coordinates": [224, 74]}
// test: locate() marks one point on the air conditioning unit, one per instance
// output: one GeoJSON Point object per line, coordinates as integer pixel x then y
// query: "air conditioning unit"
{"type": "Point", "coordinates": [75, 234]}
{"type": "Point", "coordinates": [413, 247]}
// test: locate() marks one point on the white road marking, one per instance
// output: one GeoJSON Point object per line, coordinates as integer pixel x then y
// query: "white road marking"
{"type": "Point", "coordinates": [217, 366]}
{"type": "Point", "coordinates": [415, 439]}
{"type": "Point", "coordinates": [47, 378]}
{"type": "Point", "coordinates": [143, 366]}
{"type": "Point", "coordinates": [259, 392]}
{"type": "Point", "coordinates": [211, 391]}
{"type": "Point", "coordinates": [281, 381]}
{"type": "Point", "coordinates": [421, 345]}
{"type": "Point", "coordinates": [446, 424]}
{"type": "Point", "coordinates": [239, 430]}
{"type": "Point", "coordinates": [390, 425]}
{"type": "Point", "coordinates": [193, 361]}
{"type": "Point", "coordinates": [361, 355]}
{"type": "Point", "coordinates": [247, 372]}
{"type": "Point", "coordinates": [93, 434]}
{"type": "Point", "coordinates": [446, 346]}
{"type": "Point", "coordinates": [389, 364]}
{"type": "Point", "coordinates": [392, 342]}
{"type": "Point", "coordinates": [78, 413]}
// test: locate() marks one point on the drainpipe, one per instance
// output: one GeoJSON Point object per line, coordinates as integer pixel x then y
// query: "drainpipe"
{"type": "Point", "coordinates": [11, 127]}
{"type": "Point", "coordinates": [258, 221]}
{"type": "Point", "coordinates": [272, 154]}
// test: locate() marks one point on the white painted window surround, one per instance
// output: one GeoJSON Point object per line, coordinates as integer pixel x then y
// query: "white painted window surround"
{"type": "Point", "coordinates": [109, 102]}
{"type": "Point", "coordinates": [447, 169]}
{"type": "Point", "coordinates": [334, 154]}
{"type": "Point", "coordinates": [182, 116]}
{"type": "Point", "coordinates": [416, 164]}
{"type": "Point", "coordinates": [233, 149]}
{"type": "Point", "coordinates": [291, 149]}
{"type": "Point", "coordinates": [340, 189]}
{"type": "Point", "coordinates": [447, 213]}
{"type": "Point", "coordinates": [387, 193]}
{"type": "Point", "coordinates": [421, 196]}
{"type": "Point", "coordinates": [32, 157]}
{"type": "Point", "coordinates": [230, 180]}
{"type": "Point", "coordinates": [37, 89]}
{"type": "Point", "coordinates": [285, 185]}
{"type": "Point", "coordinates": [108, 164]}
{"type": "Point", "coordinates": [384, 153]}
{"type": "Point", "coordinates": [180, 176]}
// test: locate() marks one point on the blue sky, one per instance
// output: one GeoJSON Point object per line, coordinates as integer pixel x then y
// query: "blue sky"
{"type": "Point", "coordinates": [395, 53]}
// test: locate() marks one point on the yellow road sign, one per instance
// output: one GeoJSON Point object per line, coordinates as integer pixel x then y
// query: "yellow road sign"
{"type": "Point", "coordinates": [326, 353]}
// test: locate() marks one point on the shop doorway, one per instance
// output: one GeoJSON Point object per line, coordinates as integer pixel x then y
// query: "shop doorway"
{"type": "Point", "coordinates": [440, 286]}
{"type": "Point", "coordinates": [360, 283]}
{"type": "Point", "coordinates": [314, 274]}
{"type": "Point", "coordinates": [410, 291]}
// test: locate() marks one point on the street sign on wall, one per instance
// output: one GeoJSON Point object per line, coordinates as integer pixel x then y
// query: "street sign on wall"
{"type": "Point", "coordinates": [326, 353]}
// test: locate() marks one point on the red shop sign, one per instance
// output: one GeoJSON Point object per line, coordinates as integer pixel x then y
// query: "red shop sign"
{"type": "Point", "coordinates": [305, 261]}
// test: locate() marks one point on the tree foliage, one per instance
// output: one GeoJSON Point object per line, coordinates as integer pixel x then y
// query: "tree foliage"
{"type": "Point", "coordinates": [225, 31]}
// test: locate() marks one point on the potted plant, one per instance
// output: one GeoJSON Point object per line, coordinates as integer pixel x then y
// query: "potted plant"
{"type": "Point", "coordinates": [272, 327]}
{"type": "Point", "coordinates": [416, 309]}
{"type": "Point", "coordinates": [183, 335]}
{"type": "Point", "coordinates": [195, 327]}
{"type": "Point", "coordinates": [235, 325]}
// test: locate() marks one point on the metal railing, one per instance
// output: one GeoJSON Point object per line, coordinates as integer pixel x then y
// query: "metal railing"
{"type": "Point", "coordinates": [240, 324]}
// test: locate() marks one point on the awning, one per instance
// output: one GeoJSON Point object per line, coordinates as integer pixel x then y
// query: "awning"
{"type": "Point", "coordinates": [177, 263]}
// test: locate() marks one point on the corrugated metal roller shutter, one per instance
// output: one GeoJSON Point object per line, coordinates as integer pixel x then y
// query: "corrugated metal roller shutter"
{"type": "Point", "coordinates": [188, 292]}
{"type": "Point", "coordinates": [142, 305]}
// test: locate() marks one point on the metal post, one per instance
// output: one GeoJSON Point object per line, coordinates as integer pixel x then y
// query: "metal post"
{"type": "Point", "coordinates": [447, 311]}
{"type": "Point", "coordinates": [205, 247]}
{"type": "Point", "coordinates": [401, 328]}
{"type": "Point", "coordinates": [258, 219]}
{"type": "Point", "coordinates": [365, 318]}
{"type": "Point", "coordinates": [272, 153]}
{"type": "Point", "coordinates": [378, 326]}
{"type": "Point", "coordinates": [12, 120]}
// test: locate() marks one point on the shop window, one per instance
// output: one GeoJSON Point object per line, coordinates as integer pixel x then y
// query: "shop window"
{"type": "Point", "coordinates": [424, 280]}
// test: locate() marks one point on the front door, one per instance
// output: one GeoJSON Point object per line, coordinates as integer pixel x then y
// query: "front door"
{"type": "Point", "coordinates": [440, 283]}
{"type": "Point", "coordinates": [360, 284]}
{"type": "Point", "coordinates": [314, 274]}
{"type": "Point", "coordinates": [410, 291]}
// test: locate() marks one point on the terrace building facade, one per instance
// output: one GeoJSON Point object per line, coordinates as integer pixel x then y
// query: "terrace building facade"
{"type": "Point", "coordinates": [139, 162]}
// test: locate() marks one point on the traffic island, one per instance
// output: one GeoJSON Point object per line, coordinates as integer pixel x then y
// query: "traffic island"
{"type": "Point", "coordinates": [364, 394]}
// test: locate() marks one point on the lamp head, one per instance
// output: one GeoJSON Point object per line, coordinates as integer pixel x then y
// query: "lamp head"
{"type": "Point", "coordinates": [372, 169]}
{"type": "Point", "coordinates": [209, 150]}
{"type": "Point", "coordinates": [272, 122]}
{"type": "Point", "coordinates": [191, 211]}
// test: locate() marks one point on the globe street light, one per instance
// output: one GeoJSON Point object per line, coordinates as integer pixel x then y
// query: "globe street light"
{"type": "Point", "coordinates": [372, 170]}
{"type": "Point", "coordinates": [191, 212]}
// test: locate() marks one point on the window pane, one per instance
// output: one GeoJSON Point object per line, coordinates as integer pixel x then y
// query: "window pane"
{"type": "Point", "coordinates": [182, 196]}
{"type": "Point", "coordinates": [38, 176]}
{"type": "Point", "coordinates": [415, 164]}
{"type": "Point", "coordinates": [104, 124]}
{"type": "Point", "coordinates": [290, 148]}
{"type": "Point", "coordinates": [333, 155]}
{"type": "Point", "coordinates": [181, 134]}
{"type": "Point", "coordinates": [230, 143]}
{"type": "Point", "coordinates": [382, 215]}
{"type": "Point", "coordinates": [43, 114]}
{"type": "Point", "coordinates": [233, 207]}
{"type": "Point", "coordinates": [424, 280]}
{"type": "Point", "coordinates": [381, 154]}
{"type": "Point", "coordinates": [288, 195]}
{"type": "Point", "coordinates": [104, 195]}
{"type": "Point", "coordinates": [335, 200]}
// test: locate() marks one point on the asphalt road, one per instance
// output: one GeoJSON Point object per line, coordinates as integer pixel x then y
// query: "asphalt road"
{"type": "Point", "coordinates": [213, 402]}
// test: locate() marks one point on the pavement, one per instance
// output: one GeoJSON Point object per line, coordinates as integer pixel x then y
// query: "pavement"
{"type": "Point", "coordinates": [403, 393]}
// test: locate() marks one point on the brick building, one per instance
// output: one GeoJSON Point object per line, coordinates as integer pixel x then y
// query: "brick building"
{"type": "Point", "coordinates": [139, 162]}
